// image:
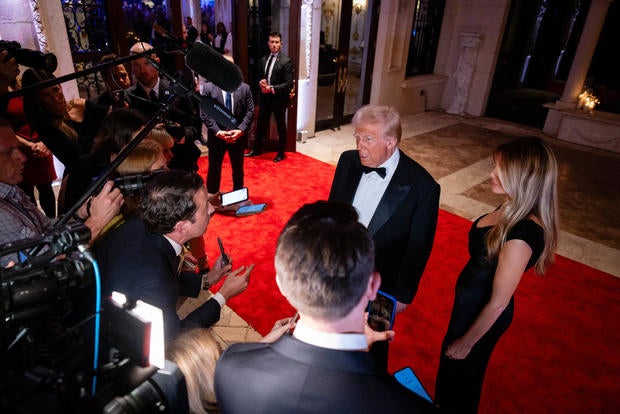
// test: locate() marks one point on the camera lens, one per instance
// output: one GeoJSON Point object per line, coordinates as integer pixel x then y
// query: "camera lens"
{"type": "Point", "coordinates": [143, 399]}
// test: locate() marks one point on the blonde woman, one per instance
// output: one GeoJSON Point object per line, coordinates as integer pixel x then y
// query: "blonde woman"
{"type": "Point", "coordinates": [196, 352]}
{"type": "Point", "coordinates": [503, 244]}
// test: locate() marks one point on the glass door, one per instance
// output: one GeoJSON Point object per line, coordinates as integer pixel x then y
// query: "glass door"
{"type": "Point", "coordinates": [341, 56]}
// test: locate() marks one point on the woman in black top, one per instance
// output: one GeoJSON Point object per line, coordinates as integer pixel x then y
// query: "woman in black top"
{"type": "Point", "coordinates": [503, 244]}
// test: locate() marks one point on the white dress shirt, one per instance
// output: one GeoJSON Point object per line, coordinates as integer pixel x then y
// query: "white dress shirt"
{"type": "Point", "coordinates": [372, 187]}
{"type": "Point", "coordinates": [337, 341]}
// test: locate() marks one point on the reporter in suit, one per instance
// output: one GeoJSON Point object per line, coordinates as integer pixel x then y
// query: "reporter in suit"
{"type": "Point", "coordinates": [276, 81]}
{"type": "Point", "coordinates": [325, 268]}
{"type": "Point", "coordinates": [222, 139]}
{"type": "Point", "coordinates": [140, 258]}
{"type": "Point", "coordinates": [399, 209]}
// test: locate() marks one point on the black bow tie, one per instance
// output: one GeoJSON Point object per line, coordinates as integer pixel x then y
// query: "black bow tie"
{"type": "Point", "coordinates": [380, 170]}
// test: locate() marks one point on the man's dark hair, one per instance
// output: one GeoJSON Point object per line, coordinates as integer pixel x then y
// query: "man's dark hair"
{"type": "Point", "coordinates": [276, 34]}
{"type": "Point", "coordinates": [105, 59]}
{"type": "Point", "coordinates": [324, 259]}
{"type": "Point", "coordinates": [168, 199]}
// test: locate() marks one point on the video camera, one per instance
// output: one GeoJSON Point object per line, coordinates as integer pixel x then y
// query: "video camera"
{"type": "Point", "coordinates": [46, 329]}
{"type": "Point", "coordinates": [28, 57]}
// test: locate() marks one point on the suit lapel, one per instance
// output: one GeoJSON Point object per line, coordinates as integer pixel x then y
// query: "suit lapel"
{"type": "Point", "coordinates": [396, 191]}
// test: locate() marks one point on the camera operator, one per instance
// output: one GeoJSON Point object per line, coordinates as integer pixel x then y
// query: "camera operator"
{"type": "Point", "coordinates": [20, 218]}
{"type": "Point", "coordinates": [140, 258]}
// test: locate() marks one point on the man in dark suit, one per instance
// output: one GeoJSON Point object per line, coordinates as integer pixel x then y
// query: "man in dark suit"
{"type": "Point", "coordinates": [192, 32]}
{"type": "Point", "coordinates": [147, 95]}
{"type": "Point", "coordinates": [276, 82]}
{"type": "Point", "coordinates": [140, 258]}
{"type": "Point", "coordinates": [398, 204]}
{"type": "Point", "coordinates": [325, 268]}
{"type": "Point", "coordinates": [222, 139]}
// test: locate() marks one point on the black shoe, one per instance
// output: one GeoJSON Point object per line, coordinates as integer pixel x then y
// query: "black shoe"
{"type": "Point", "coordinates": [279, 158]}
{"type": "Point", "coordinates": [252, 153]}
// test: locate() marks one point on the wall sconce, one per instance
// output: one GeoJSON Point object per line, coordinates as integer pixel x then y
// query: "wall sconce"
{"type": "Point", "coordinates": [359, 6]}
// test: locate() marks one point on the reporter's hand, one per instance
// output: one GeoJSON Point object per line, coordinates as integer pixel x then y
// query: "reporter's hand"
{"type": "Point", "coordinates": [373, 336]}
{"type": "Point", "coordinates": [76, 108]}
{"type": "Point", "coordinates": [39, 149]}
{"type": "Point", "coordinates": [103, 207]}
{"type": "Point", "coordinates": [281, 327]}
{"type": "Point", "coordinates": [236, 282]}
{"type": "Point", "coordinates": [218, 270]}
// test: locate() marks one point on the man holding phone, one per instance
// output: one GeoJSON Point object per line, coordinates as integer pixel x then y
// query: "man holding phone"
{"type": "Point", "coordinates": [141, 257]}
{"type": "Point", "coordinates": [327, 355]}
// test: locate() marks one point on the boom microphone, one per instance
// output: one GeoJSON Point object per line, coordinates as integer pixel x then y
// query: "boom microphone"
{"type": "Point", "coordinates": [210, 64]}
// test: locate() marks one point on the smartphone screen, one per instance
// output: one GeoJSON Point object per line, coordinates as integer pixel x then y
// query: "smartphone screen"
{"type": "Point", "coordinates": [251, 209]}
{"type": "Point", "coordinates": [409, 380]}
{"type": "Point", "coordinates": [381, 312]}
{"type": "Point", "coordinates": [235, 196]}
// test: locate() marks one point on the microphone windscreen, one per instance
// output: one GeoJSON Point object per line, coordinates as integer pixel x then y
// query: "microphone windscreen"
{"type": "Point", "coordinates": [210, 64]}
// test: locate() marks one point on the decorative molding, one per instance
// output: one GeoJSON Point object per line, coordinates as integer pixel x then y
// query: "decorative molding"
{"type": "Point", "coordinates": [38, 26]}
{"type": "Point", "coordinates": [306, 29]}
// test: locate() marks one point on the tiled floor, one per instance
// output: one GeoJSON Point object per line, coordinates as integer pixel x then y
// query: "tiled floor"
{"type": "Point", "coordinates": [456, 151]}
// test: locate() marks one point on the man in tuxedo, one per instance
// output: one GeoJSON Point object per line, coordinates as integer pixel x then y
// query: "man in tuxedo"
{"type": "Point", "coordinates": [147, 96]}
{"type": "Point", "coordinates": [325, 268]}
{"type": "Point", "coordinates": [396, 198]}
{"type": "Point", "coordinates": [276, 82]}
{"type": "Point", "coordinates": [142, 257]}
{"type": "Point", "coordinates": [222, 139]}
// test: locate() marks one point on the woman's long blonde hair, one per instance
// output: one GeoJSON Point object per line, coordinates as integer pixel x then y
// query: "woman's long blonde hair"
{"type": "Point", "coordinates": [196, 352]}
{"type": "Point", "coordinates": [528, 172]}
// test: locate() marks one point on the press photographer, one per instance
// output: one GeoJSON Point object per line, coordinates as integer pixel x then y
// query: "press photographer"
{"type": "Point", "coordinates": [20, 218]}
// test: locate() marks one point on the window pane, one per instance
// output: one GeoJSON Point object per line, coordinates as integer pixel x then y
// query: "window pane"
{"type": "Point", "coordinates": [425, 31]}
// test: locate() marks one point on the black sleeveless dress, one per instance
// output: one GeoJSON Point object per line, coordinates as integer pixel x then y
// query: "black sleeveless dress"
{"type": "Point", "coordinates": [459, 382]}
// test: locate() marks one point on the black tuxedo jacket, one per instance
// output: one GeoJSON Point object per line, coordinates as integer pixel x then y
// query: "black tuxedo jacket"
{"type": "Point", "coordinates": [143, 265]}
{"type": "Point", "coordinates": [290, 376]}
{"type": "Point", "coordinates": [282, 77]}
{"type": "Point", "coordinates": [404, 223]}
{"type": "Point", "coordinates": [243, 108]}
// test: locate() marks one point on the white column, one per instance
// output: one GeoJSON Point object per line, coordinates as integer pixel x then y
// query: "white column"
{"type": "Point", "coordinates": [55, 33]}
{"type": "Point", "coordinates": [308, 67]}
{"type": "Point", "coordinates": [585, 50]}
{"type": "Point", "coordinates": [464, 73]}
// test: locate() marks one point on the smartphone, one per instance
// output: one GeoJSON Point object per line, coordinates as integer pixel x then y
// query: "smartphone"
{"type": "Point", "coordinates": [381, 312]}
{"type": "Point", "coordinates": [251, 209]}
{"type": "Point", "coordinates": [225, 259]}
{"type": "Point", "coordinates": [236, 196]}
{"type": "Point", "coordinates": [409, 380]}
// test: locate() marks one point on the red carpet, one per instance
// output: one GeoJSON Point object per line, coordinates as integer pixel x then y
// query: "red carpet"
{"type": "Point", "coordinates": [560, 354]}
